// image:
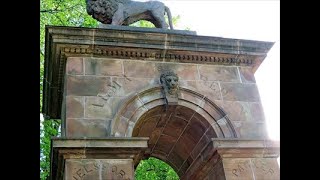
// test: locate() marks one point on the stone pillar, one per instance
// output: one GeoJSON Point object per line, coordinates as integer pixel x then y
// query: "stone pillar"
{"type": "Point", "coordinates": [98, 159]}
{"type": "Point", "coordinates": [238, 159]}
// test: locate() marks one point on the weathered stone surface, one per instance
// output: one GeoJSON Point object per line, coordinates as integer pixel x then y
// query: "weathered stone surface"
{"type": "Point", "coordinates": [176, 159]}
{"type": "Point", "coordinates": [257, 113]}
{"type": "Point", "coordinates": [218, 73]}
{"type": "Point", "coordinates": [123, 125]}
{"type": "Point", "coordinates": [185, 166]}
{"type": "Point", "coordinates": [130, 109]}
{"type": "Point", "coordinates": [97, 107]}
{"type": "Point", "coordinates": [130, 85]}
{"type": "Point", "coordinates": [175, 127]}
{"type": "Point", "coordinates": [140, 69]}
{"type": "Point", "coordinates": [217, 172]}
{"type": "Point", "coordinates": [246, 75]}
{"type": "Point", "coordinates": [165, 143]}
{"type": "Point", "coordinates": [237, 168]}
{"type": "Point", "coordinates": [182, 149]}
{"type": "Point", "coordinates": [193, 135]}
{"type": "Point", "coordinates": [251, 129]}
{"type": "Point", "coordinates": [87, 127]}
{"type": "Point", "coordinates": [240, 92]}
{"type": "Point", "coordinates": [184, 71]}
{"type": "Point", "coordinates": [265, 168]}
{"type": "Point", "coordinates": [212, 110]}
{"type": "Point", "coordinates": [200, 146]}
{"type": "Point", "coordinates": [98, 169]}
{"type": "Point", "coordinates": [103, 67]}
{"type": "Point", "coordinates": [87, 85]}
{"type": "Point", "coordinates": [74, 107]}
{"type": "Point", "coordinates": [148, 126]}
{"type": "Point", "coordinates": [210, 89]}
{"type": "Point", "coordinates": [74, 66]}
{"type": "Point", "coordinates": [237, 110]}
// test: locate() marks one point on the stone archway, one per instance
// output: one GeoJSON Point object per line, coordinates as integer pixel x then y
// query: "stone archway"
{"type": "Point", "coordinates": [181, 134]}
{"type": "Point", "coordinates": [139, 104]}
{"type": "Point", "coordinates": [101, 141]}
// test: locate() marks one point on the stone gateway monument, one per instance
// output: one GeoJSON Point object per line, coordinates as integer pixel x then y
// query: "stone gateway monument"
{"type": "Point", "coordinates": [125, 94]}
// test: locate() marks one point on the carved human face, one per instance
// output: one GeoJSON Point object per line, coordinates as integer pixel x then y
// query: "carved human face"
{"type": "Point", "coordinates": [172, 82]}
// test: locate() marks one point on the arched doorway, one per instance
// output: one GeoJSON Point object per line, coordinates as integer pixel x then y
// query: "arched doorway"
{"type": "Point", "coordinates": [179, 134]}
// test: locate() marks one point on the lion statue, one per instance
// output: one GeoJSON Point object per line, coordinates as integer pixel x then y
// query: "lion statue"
{"type": "Point", "coordinates": [126, 12]}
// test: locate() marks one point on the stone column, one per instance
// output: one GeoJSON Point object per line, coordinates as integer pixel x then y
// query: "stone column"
{"type": "Point", "coordinates": [95, 158]}
{"type": "Point", "coordinates": [238, 159]}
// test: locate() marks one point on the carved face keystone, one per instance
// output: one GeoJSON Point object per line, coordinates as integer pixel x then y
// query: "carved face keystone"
{"type": "Point", "coordinates": [171, 82]}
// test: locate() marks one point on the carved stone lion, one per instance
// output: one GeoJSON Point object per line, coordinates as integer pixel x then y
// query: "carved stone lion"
{"type": "Point", "coordinates": [169, 81]}
{"type": "Point", "coordinates": [126, 12]}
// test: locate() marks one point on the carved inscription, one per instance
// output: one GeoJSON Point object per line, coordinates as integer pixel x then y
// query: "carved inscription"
{"type": "Point", "coordinates": [113, 88]}
{"type": "Point", "coordinates": [244, 167]}
{"type": "Point", "coordinates": [81, 172]}
{"type": "Point", "coordinates": [212, 85]}
{"type": "Point", "coordinates": [119, 173]}
{"type": "Point", "coordinates": [101, 169]}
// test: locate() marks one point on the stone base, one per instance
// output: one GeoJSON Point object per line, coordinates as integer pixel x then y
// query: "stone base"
{"type": "Point", "coordinates": [245, 160]}
{"type": "Point", "coordinates": [103, 158]}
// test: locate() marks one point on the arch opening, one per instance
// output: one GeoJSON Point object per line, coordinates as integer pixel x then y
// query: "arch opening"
{"type": "Point", "coordinates": [154, 168]}
{"type": "Point", "coordinates": [178, 136]}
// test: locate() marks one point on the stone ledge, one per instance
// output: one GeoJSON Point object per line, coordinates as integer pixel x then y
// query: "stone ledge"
{"type": "Point", "coordinates": [232, 147]}
{"type": "Point", "coordinates": [110, 142]}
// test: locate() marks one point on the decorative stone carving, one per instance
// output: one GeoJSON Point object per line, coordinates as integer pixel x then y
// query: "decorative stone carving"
{"type": "Point", "coordinates": [170, 84]}
{"type": "Point", "coordinates": [126, 12]}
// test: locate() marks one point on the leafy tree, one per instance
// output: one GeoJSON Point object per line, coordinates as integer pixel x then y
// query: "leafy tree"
{"type": "Point", "coordinates": [48, 129]}
{"type": "Point", "coordinates": [73, 13]}
{"type": "Point", "coordinates": [155, 169]}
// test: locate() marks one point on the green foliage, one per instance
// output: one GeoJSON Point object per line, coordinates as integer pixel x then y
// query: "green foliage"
{"type": "Point", "coordinates": [155, 169]}
{"type": "Point", "coordinates": [48, 128]}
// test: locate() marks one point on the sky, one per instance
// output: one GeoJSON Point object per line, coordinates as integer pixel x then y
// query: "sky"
{"type": "Point", "coordinates": [252, 20]}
